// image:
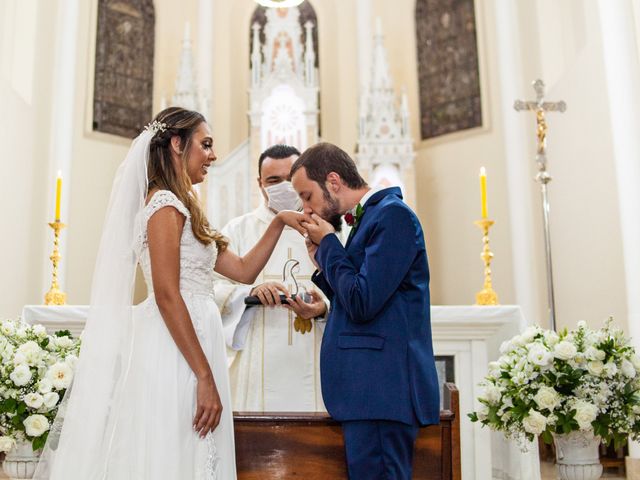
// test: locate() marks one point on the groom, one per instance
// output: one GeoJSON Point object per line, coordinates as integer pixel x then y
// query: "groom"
{"type": "Point", "coordinates": [377, 366]}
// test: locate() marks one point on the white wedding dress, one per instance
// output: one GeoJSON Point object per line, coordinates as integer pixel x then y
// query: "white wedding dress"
{"type": "Point", "coordinates": [157, 410]}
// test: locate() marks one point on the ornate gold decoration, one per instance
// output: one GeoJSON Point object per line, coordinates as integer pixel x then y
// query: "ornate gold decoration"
{"type": "Point", "coordinates": [302, 325]}
{"type": "Point", "coordinates": [55, 296]}
{"type": "Point", "coordinates": [486, 296]}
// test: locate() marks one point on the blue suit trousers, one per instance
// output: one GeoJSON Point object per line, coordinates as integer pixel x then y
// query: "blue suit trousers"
{"type": "Point", "coordinates": [379, 449]}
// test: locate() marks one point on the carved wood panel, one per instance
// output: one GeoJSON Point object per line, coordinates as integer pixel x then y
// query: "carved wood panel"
{"type": "Point", "coordinates": [448, 72]}
{"type": "Point", "coordinates": [123, 88]}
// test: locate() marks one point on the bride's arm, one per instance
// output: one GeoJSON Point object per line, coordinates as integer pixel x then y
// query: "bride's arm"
{"type": "Point", "coordinates": [164, 231]}
{"type": "Point", "coordinates": [246, 269]}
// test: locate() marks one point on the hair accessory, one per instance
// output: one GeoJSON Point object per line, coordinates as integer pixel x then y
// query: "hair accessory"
{"type": "Point", "coordinates": [156, 127]}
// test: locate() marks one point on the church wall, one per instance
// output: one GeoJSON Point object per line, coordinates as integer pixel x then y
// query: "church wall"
{"type": "Point", "coordinates": [96, 156]}
{"type": "Point", "coordinates": [560, 43]}
{"type": "Point", "coordinates": [586, 234]}
{"type": "Point", "coordinates": [447, 168]}
{"type": "Point", "coordinates": [24, 185]}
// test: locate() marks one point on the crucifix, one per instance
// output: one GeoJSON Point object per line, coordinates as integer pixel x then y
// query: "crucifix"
{"type": "Point", "coordinates": [541, 107]}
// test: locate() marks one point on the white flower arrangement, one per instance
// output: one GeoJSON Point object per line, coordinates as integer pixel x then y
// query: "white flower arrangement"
{"type": "Point", "coordinates": [549, 383]}
{"type": "Point", "coordinates": [35, 371]}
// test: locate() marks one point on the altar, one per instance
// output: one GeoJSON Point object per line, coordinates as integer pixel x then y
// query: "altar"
{"type": "Point", "coordinates": [465, 340]}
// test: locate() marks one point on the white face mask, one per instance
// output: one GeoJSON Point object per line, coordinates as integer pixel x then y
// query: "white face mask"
{"type": "Point", "coordinates": [282, 196]}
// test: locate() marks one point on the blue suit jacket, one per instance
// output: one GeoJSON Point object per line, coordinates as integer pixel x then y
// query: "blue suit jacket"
{"type": "Point", "coordinates": [377, 357]}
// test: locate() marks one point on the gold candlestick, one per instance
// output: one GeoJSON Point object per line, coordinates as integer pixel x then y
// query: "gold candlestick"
{"type": "Point", "coordinates": [55, 296]}
{"type": "Point", "coordinates": [486, 296]}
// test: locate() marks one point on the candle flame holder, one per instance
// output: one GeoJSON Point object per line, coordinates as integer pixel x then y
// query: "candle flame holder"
{"type": "Point", "coordinates": [486, 296]}
{"type": "Point", "coordinates": [55, 296]}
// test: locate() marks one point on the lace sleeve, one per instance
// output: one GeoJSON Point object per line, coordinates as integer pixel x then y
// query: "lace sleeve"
{"type": "Point", "coordinates": [161, 199]}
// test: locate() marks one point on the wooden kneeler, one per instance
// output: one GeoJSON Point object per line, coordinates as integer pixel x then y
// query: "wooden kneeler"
{"type": "Point", "coordinates": [309, 446]}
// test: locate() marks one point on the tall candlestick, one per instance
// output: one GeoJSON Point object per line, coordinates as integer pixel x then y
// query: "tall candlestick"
{"type": "Point", "coordinates": [58, 195]}
{"type": "Point", "coordinates": [483, 192]}
{"type": "Point", "coordinates": [486, 296]}
{"type": "Point", "coordinates": [55, 296]}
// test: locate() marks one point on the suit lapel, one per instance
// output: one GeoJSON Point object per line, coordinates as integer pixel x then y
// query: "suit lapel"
{"type": "Point", "coordinates": [371, 203]}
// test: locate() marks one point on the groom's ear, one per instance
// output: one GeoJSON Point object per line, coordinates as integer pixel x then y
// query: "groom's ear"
{"type": "Point", "coordinates": [176, 145]}
{"type": "Point", "coordinates": [333, 182]}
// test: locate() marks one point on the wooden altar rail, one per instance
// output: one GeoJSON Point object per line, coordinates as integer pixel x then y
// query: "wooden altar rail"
{"type": "Point", "coordinates": [309, 446]}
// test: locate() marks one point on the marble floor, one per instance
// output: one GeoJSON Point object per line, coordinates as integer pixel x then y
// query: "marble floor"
{"type": "Point", "coordinates": [548, 471]}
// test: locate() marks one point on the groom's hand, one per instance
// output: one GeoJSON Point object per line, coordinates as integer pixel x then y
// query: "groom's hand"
{"type": "Point", "coordinates": [307, 310]}
{"type": "Point", "coordinates": [317, 228]}
{"type": "Point", "coordinates": [312, 248]}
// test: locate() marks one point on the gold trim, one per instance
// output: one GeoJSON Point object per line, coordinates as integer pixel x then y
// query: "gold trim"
{"type": "Point", "coordinates": [315, 358]}
{"type": "Point", "coordinates": [262, 366]}
{"type": "Point", "coordinates": [486, 296]}
{"type": "Point", "coordinates": [55, 295]}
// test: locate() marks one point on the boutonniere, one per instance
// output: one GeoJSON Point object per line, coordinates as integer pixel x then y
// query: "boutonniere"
{"type": "Point", "coordinates": [353, 220]}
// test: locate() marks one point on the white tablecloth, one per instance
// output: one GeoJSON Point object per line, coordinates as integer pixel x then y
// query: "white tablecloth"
{"type": "Point", "coordinates": [54, 317]}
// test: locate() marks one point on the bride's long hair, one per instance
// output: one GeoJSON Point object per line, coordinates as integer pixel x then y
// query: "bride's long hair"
{"type": "Point", "coordinates": [162, 174]}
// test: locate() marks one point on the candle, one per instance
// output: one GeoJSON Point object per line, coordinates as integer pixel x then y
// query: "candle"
{"type": "Point", "coordinates": [483, 192]}
{"type": "Point", "coordinates": [58, 195]}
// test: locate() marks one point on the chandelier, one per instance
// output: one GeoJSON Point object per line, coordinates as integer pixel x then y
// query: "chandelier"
{"type": "Point", "coordinates": [279, 3]}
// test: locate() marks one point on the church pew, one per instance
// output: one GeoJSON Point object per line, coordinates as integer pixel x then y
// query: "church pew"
{"type": "Point", "coordinates": [309, 446]}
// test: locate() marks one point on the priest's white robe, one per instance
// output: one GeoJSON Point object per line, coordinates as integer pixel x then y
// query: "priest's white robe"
{"type": "Point", "coordinates": [272, 366]}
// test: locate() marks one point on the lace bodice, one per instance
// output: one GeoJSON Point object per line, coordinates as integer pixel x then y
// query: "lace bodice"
{"type": "Point", "coordinates": [196, 260]}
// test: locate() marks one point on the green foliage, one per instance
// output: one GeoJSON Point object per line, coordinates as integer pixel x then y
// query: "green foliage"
{"type": "Point", "coordinates": [39, 442]}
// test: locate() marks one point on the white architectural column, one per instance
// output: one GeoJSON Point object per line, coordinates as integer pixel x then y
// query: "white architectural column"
{"type": "Point", "coordinates": [63, 94]}
{"type": "Point", "coordinates": [365, 44]}
{"type": "Point", "coordinates": [204, 46]}
{"type": "Point", "coordinates": [522, 211]}
{"type": "Point", "coordinates": [622, 70]}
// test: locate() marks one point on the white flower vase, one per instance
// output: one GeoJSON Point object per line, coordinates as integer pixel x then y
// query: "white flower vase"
{"type": "Point", "coordinates": [21, 461]}
{"type": "Point", "coordinates": [577, 456]}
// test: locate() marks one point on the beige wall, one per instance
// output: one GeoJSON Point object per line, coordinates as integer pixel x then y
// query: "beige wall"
{"type": "Point", "coordinates": [559, 42]}
{"type": "Point", "coordinates": [586, 235]}
{"type": "Point", "coordinates": [586, 242]}
{"type": "Point", "coordinates": [24, 134]}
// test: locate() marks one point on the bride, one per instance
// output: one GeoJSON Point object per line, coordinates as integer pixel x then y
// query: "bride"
{"type": "Point", "coordinates": [150, 399]}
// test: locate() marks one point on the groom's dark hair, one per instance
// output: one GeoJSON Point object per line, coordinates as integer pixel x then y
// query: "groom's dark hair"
{"type": "Point", "coordinates": [324, 158]}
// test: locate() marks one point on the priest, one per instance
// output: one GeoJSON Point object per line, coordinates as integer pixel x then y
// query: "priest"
{"type": "Point", "coordinates": [273, 350]}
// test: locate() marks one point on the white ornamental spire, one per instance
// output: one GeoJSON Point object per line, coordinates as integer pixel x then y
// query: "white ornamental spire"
{"type": "Point", "coordinates": [309, 56]}
{"type": "Point", "coordinates": [186, 94]}
{"type": "Point", "coordinates": [380, 79]}
{"type": "Point", "coordinates": [256, 57]}
{"type": "Point", "coordinates": [385, 149]}
{"type": "Point", "coordinates": [404, 113]}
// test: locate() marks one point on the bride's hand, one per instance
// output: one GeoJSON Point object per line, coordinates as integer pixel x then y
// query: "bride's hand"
{"type": "Point", "coordinates": [293, 219]}
{"type": "Point", "coordinates": [209, 407]}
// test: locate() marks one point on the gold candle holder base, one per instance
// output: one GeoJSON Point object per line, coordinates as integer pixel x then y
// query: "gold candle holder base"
{"type": "Point", "coordinates": [486, 296]}
{"type": "Point", "coordinates": [55, 296]}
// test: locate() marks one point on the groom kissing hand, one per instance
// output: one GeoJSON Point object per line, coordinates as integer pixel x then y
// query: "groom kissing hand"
{"type": "Point", "coordinates": [377, 366]}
